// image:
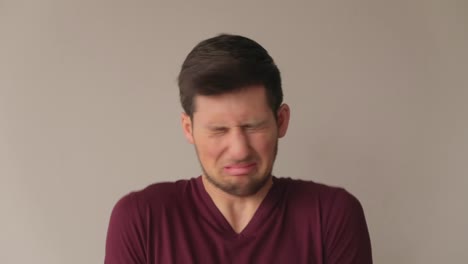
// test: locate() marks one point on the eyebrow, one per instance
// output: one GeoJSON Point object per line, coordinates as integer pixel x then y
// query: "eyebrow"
{"type": "Point", "coordinates": [254, 123]}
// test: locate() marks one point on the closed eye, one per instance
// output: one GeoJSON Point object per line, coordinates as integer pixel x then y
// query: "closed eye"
{"type": "Point", "coordinates": [218, 130]}
{"type": "Point", "coordinates": [256, 126]}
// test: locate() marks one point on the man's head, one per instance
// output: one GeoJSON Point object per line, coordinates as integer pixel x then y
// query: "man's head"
{"type": "Point", "coordinates": [230, 90]}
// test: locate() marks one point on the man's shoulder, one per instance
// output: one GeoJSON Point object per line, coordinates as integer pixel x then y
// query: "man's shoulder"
{"type": "Point", "coordinates": [304, 186]}
{"type": "Point", "coordinates": [155, 195]}
{"type": "Point", "coordinates": [164, 190]}
{"type": "Point", "coordinates": [325, 194]}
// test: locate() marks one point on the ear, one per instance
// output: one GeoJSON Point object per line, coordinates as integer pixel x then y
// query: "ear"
{"type": "Point", "coordinates": [283, 116]}
{"type": "Point", "coordinates": [187, 127]}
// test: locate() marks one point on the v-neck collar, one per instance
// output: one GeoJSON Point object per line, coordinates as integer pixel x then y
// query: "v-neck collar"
{"type": "Point", "coordinates": [213, 215]}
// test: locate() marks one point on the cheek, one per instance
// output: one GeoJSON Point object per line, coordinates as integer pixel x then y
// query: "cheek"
{"type": "Point", "coordinates": [209, 150]}
{"type": "Point", "coordinates": [264, 145]}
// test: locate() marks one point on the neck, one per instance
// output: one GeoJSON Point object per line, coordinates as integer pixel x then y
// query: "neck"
{"type": "Point", "coordinates": [237, 210]}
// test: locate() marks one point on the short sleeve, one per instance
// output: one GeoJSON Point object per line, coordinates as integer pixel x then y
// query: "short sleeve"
{"type": "Point", "coordinates": [126, 236]}
{"type": "Point", "coordinates": [346, 236]}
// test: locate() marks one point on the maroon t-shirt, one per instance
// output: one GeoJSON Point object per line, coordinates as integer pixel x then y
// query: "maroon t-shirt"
{"type": "Point", "coordinates": [297, 222]}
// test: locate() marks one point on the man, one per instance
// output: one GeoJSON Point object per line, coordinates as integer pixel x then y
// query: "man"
{"type": "Point", "coordinates": [236, 211]}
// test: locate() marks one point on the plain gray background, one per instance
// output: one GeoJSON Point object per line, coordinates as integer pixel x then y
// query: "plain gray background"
{"type": "Point", "coordinates": [89, 111]}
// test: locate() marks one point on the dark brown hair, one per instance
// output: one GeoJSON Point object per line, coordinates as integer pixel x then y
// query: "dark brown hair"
{"type": "Point", "coordinates": [226, 63]}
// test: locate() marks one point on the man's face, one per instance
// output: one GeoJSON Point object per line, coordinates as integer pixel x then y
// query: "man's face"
{"type": "Point", "coordinates": [236, 138]}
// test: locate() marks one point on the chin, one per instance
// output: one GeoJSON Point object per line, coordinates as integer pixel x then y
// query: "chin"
{"type": "Point", "coordinates": [242, 189]}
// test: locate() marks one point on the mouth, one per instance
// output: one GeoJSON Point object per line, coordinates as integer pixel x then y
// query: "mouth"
{"type": "Point", "coordinates": [240, 169]}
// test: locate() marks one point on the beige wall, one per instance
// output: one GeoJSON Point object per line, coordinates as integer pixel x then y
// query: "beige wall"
{"type": "Point", "coordinates": [89, 111]}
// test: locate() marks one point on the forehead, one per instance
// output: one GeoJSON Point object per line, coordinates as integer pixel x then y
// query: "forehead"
{"type": "Point", "coordinates": [247, 104]}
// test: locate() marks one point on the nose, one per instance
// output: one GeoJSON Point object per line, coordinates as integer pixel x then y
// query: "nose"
{"type": "Point", "coordinates": [239, 145]}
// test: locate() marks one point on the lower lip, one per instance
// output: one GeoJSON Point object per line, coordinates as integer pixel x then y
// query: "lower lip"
{"type": "Point", "coordinates": [240, 170]}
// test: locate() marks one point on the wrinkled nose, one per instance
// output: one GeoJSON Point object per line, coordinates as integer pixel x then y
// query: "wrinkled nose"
{"type": "Point", "coordinates": [239, 146]}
